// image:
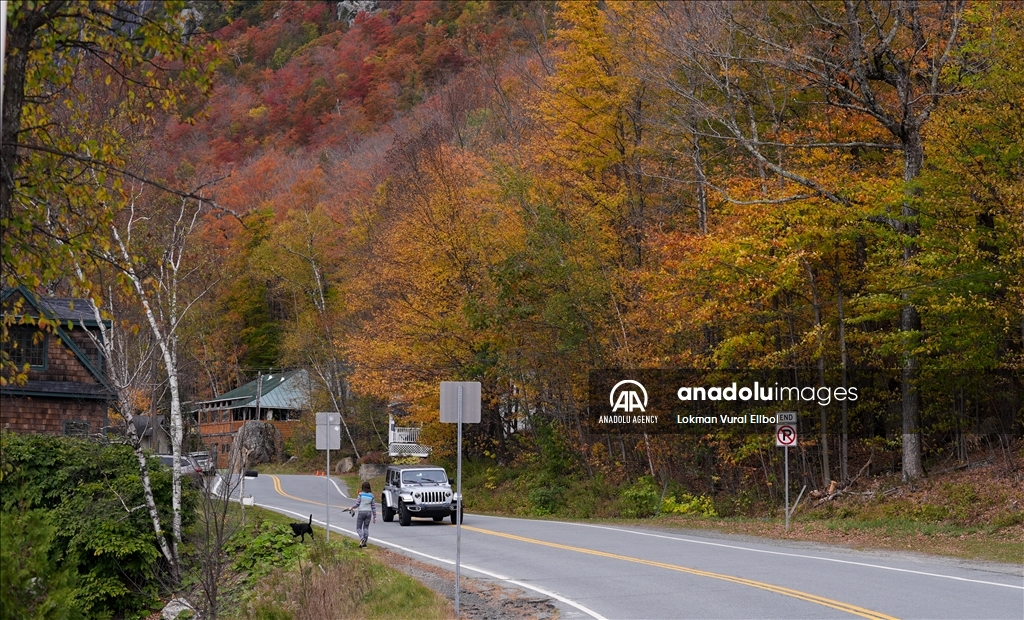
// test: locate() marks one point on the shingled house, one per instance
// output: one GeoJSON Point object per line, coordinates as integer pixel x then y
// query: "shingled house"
{"type": "Point", "coordinates": [280, 398]}
{"type": "Point", "coordinates": [67, 392]}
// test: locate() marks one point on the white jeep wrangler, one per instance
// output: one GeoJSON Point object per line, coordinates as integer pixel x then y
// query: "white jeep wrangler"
{"type": "Point", "coordinates": [418, 491]}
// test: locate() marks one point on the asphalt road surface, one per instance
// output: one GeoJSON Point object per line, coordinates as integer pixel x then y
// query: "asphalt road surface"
{"type": "Point", "coordinates": [607, 571]}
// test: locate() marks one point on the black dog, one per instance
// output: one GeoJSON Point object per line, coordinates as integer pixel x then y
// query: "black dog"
{"type": "Point", "coordinates": [301, 529]}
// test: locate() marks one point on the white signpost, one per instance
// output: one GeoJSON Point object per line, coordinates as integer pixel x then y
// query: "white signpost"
{"type": "Point", "coordinates": [785, 436]}
{"type": "Point", "coordinates": [328, 437]}
{"type": "Point", "coordinates": [460, 402]}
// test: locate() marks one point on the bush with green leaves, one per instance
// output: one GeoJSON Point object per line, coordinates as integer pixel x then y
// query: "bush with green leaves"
{"type": "Point", "coordinates": [640, 499]}
{"type": "Point", "coordinates": [689, 505]}
{"type": "Point", "coordinates": [32, 583]}
{"type": "Point", "coordinates": [546, 499]}
{"type": "Point", "coordinates": [90, 495]}
{"type": "Point", "coordinates": [263, 547]}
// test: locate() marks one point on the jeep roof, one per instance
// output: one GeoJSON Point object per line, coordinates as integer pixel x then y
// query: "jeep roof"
{"type": "Point", "coordinates": [399, 473]}
{"type": "Point", "coordinates": [415, 467]}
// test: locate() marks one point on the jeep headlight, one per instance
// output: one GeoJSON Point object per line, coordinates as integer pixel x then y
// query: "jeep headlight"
{"type": "Point", "coordinates": [406, 497]}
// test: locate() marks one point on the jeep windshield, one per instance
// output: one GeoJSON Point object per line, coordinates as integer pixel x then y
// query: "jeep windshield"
{"type": "Point", "coordinates": [424, 476]}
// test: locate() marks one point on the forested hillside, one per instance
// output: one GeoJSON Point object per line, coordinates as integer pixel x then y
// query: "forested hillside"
{"type": "Point", "coordinates": [392, 194]}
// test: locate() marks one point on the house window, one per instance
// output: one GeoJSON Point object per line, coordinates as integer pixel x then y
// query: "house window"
{"type": "Point", "coordinates": [75, 427]}
{"type": "Point", "coordinates": [27, 345]}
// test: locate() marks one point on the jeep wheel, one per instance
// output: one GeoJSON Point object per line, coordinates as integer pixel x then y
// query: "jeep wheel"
{"type": "Point", "coordinates": [388, 512]}
{"type": "Point", "coordinates": [404, 518]}
{"type": "Point", "coordinates": [460, 517]}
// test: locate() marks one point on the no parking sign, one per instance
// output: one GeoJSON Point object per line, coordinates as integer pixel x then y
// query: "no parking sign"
{"type": "Point", "coordinates": [785, 435]}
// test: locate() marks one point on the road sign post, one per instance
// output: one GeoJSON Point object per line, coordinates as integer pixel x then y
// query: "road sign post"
{"type": "Point", "coordinates": [785, 436]}
{"type": "Point", "coordinates": [328, 437]}
{"type": "Point", "coordinates": [460, 402]}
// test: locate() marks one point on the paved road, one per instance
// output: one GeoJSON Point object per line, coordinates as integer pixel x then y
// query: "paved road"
{"type": "Point", "coordinates": [604, 571]}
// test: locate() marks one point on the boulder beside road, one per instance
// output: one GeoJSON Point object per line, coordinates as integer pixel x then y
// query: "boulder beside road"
{"type": "Point", "coordinates": [258, 442]}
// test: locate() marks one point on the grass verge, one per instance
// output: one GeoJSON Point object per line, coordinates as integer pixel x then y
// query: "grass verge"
{"type": "Point", "coordinates": [988, 543]}
{"type": "Point", "coordinates": [281, 578]}
{"type": "Point", "coordinates": [974, 512]}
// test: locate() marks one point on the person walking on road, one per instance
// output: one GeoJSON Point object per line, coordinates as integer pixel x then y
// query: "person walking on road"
{"type": "Point", "coordinates": [365, 508]}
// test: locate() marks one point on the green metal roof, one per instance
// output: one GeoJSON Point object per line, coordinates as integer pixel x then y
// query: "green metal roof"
{"type": "Point", "coordinates": [283, 390]}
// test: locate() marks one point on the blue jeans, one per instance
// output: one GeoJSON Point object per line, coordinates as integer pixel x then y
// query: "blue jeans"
{"type": "Point", "coordinates": [363, 526]}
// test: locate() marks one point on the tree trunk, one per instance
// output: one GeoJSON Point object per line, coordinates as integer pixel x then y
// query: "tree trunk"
{"type": "Point", "coordinates": [106, 344]}
{"type": "Point", "coordinates": [844, 454]}
{"type": "Point", "coordinates": [167, 351]}
{"type": "Point", "coordinates": [910, 319]}
{"type": "Point", "coordinates": [826, 474]}
{"type": "Point", "coordinates": [22, 26]}
{"type": "Point", "coordinates": [702, 192]}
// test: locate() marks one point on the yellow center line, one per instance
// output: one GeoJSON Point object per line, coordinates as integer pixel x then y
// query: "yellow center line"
{"type": "Point", "coordinates": [280, 491]}
{"type": "Point", "coordinates": [804, 596]}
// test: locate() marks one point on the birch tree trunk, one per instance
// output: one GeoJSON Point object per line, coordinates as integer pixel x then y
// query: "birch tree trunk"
{"type": "Point", "coordinates": [164, 312]}
{"type": "Point", "coordinates": [170, 367]}
{"type": "Point", "coordinates": [121, 381]}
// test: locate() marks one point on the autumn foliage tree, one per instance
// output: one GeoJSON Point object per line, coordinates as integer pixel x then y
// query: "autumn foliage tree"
{"type": "Point", "coordinates": [520, 193]}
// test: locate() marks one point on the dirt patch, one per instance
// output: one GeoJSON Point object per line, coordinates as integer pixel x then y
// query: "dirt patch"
{"type": "Point", "coordinates": [480, 599]}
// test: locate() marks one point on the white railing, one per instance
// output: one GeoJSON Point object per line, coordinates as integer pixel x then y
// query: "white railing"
{"type": "Point", "coordinates": [402, 440]}
{"type": "Point", "coordinates": [408, 449]}
{"type": "Point", "coordinates": [401, 434]}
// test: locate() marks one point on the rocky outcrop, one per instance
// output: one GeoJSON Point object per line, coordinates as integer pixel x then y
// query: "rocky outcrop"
{"type": "Point", "coordinates": [178, 608]}
{"type": "Point", "coordinates": [257, 442]}
{"type": "Point", "coordinates": [371, 470]}
{"type": "Point", "coordinates": [345, 465]}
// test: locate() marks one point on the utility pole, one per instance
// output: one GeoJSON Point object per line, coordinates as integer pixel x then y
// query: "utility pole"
{"type": "Point", "coordinates": [259, 392]}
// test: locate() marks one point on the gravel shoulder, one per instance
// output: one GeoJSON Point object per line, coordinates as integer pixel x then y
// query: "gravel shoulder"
{"type": "Point", "coordinates": [480, 599]}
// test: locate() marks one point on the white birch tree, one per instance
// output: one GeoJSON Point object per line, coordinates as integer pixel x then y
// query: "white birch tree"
{"type": "Point", "coordinates": [126, 364]}
{"type": "Point", "coordinates": [160, 273]}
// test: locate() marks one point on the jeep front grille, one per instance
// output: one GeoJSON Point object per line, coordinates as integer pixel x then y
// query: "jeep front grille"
{"type": "Point", "coordinates": [433, 497]}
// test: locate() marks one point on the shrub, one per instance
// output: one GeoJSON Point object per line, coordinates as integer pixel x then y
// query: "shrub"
{"type": "Point", "coordinates": [373, 457]}
{"type": "Point", "coordinates": [640, 499]}
{"type": "Point", "coordinates": [689, 505]}
{"type": "Point", "coordinates": [85, 492]}
{"type": "Point", "coordinates": [262, 548]}
{"type": "Point", "coordinates": [34, 584]}
{"type": "Point", "coordinates": [546, 500]}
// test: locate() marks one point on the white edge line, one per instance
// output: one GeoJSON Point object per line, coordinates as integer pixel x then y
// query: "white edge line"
{"type": "Point", "coordinates": [337, 487]}
{"type": "Point", "coordinates": [794, 555]}
{"type": "Point", "coordinates": [482, 571]}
